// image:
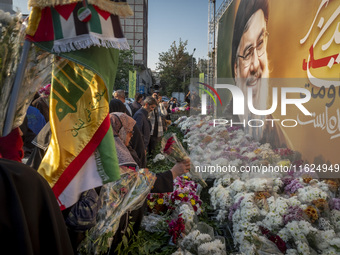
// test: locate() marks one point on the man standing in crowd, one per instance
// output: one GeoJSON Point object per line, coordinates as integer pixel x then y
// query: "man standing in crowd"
{"type": "Point", "coordinates": [137, 104]}
{"type": "Point", "coordinates": [142, 121]}
{"type": "Point", "coordinates": [162, 110]}
{"type": "Point", "coordinates": [156, 125]}
{"type": "Point", "coordinates": [172, 104]}
{"type": "Point", "coordinates": [120, 95]}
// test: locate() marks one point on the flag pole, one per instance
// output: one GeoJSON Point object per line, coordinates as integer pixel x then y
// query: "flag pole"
{"type": "Point", "coordinates": [16, 87]}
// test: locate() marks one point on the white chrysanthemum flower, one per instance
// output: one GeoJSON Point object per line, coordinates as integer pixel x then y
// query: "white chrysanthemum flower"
{"type": "Point", "coordinates": [293, 201]}
{"type": "Point", "coordinates": [187, 213]}
{"type": "Point", "coordinates": [292, 252]}
{"type": "Point", "coordinates": [238, 186]}
{"type": "Point", "coordinates": [272, 221]}
{"type": "Point", "coordinates": [202, 238]}
{"type": "Point", "coordinates": [248, 248]}
{"type": "Point", "coordinates": [306, 228]}
{"type": "Point", "coordinates": [259, 184]}
{"type": "Point", "coordinates": [158, 157]}
{"type": "Point", "coordinates": [302, 248]}
{"type": "Point", "coordinates": [250, 155]}
{"type": "Point", "coordinates": [222, 215]}
{"type": "Point", "coordinates": [323, 238]}
{"type": "Point", "coordinates": [284, 234]}
{"type": "Point", "coordinates": [323, 186]}
{"type": "Point", "coordinates": [220, 198]}
{"type": "Point", "coordinates": [225, 181]}
{"type": "Point", "coordinates": [330, 251]}
{"type": "Point", "coordinates": [308, 194]}
{"type": "Point", "coordinates": [188, 241]}
{"type": "Point", "coordinates": [278, 184]}
{"type": "Point", "coordinates": [335, 219]}
{"type": "Point", "coordinates": [214, 247]}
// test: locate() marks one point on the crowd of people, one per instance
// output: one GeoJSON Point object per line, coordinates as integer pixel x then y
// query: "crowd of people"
{"type": "Point", "coordinates": [31, 220]}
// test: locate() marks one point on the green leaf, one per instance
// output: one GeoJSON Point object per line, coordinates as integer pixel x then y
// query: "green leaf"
{"type": "Point", "coordinates": [125, 240]}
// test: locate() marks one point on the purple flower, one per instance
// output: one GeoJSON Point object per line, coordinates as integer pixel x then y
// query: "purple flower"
{"type": "Point", "coordinates": [233, 208]}
{"type": "Point", "coordinates": [294, 213]}
{"type": "Point", "coordinates": [334, 204]}
{"type": "Point", "coordinates": [292, 186]}
{"type": "Point", "coordinates": [233, 128]}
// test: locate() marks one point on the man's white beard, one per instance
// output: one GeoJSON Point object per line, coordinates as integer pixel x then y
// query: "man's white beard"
{"type": "Point", "coordinates": [259, 103]}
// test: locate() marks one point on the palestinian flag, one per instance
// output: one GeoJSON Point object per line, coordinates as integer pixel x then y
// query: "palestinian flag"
{"type": "Point", "coordinates": [82, 152]}
{"type": "Point", "coordinates": [62, 30]}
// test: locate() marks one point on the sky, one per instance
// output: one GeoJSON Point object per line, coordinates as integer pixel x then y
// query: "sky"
{"type": "Point", "coordinates": [168, 22]}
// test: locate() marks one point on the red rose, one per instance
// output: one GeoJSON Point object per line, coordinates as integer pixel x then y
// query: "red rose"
{"type": "Point", "coordinates": [168, 145]}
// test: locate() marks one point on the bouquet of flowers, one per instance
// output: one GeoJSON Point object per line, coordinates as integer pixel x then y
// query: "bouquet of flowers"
{"type": "Point", "coordinates": [184, 181]}
{"type": "Point", "coordinates": [174, 151]}
{"type": "Point", "coordinates": [117, 198]}
{"type": "Point", "coordinates": [37, 69]}
{"type": "Point", "coordinates": [185, 191]}
{"type": "Point", "coordinates": [185, 195]}
{"type": "Point", "coordinates": [155, 223]}
{"type": "Point", "coordinates": [174, 110]}
{"type": "Point", "coordinates": [157, 202]}
{"type": "Point", "coordinates": [176, 228]}
{"type": "Point", "coordinates": [183, 220]}
{"type": "Point", "coordinates": [202, 240]}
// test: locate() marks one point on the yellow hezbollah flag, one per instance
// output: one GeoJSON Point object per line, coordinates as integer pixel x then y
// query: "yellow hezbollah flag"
{"type": "Point", "coordinates": [82, 153]}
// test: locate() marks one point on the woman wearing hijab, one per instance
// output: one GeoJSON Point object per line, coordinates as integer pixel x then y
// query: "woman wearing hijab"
{"type": "Point", "coordinates": [122, 126]}
{"type": "Point", "coordinates": [136, 146]}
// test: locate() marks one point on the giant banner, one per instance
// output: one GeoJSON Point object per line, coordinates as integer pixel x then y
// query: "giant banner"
{"type": "Point", "coordinates": [282, 56]}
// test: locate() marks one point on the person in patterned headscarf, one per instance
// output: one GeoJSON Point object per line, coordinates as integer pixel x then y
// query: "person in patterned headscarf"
{"type": "Point", "coordinates": [137, 142]}
{"type": "Point", "coordinates": [122, 126]}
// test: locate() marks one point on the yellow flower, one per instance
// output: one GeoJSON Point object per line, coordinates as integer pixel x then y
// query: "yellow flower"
{"type": "Point", "coordinates": [284, 163]}
{"type": "Point", "coordinates": [185, 177]}
{"type": "Point", "coordinates": [257, 151]}
{"type": "Point", "coordinates": [160, 201]}
{"type": "Point", "coordinates": [193, 202]}
{"type": "Point", "coordinates": [181, 195]}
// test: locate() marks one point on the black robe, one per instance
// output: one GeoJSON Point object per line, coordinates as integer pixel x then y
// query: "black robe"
{"type": "Point", "coordinates": [30, 219]}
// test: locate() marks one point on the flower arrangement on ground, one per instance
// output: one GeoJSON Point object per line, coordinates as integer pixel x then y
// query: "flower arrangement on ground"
{"type": "Point", "coordinates": [285, 213]}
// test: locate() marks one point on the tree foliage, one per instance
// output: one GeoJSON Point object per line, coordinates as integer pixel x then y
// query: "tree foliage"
{"type": "Point", "coordinates": [202, 65]}
{"type": "Point", "coordinates": [175, 68]}
{"type": "Point", "coordinates": [124, 66]}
